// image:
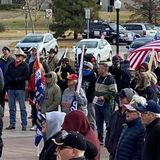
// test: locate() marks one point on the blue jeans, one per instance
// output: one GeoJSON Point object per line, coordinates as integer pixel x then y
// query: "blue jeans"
{"type": "Point", "coordinates": [18, 95]}
{"type": "Point", "coordinates": [103, 114]}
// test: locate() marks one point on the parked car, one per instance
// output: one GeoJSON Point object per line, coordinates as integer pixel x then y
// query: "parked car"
{"type": "Point", "coordinates": [157, 36]}
{"type": "Point", "coordinates": [42, 41]}
{"type": "Point", "coordinates": [108, 30]}
{"type": "Point", "coordinates": [139, 42]}
{"type": "Point", "coordinates": [141, 29]}
{"type": "Point", "coordinates": [100, 48]}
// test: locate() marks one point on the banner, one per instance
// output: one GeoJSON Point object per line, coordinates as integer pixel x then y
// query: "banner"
{"type": "Point", "coordinates": [39, 98]}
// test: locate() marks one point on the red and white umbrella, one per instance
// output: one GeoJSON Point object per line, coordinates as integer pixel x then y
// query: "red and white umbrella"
{"type": "Point", "coordinates": [144, 53]}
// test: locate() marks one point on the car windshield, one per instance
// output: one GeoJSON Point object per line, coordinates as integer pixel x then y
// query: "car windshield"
{"type": "Point", "coordinates": [88, 44]}
{"type": "Point", "coordinates": [32, 39]}
{"type": "Point", "coordinates": [114, 26]}
{"type": "Point", "coordinates": [139, 43]}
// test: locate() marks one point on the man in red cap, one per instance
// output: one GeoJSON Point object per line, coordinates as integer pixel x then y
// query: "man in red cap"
{"type": "Point", "coordinates": [72, 100]}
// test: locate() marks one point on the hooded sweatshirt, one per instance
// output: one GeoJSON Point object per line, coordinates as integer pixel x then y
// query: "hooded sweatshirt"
{"type": "Point", "coordinates": [54, 121]}
{"type": "Point", "coordinates": [77, 121]}
{"type": "Point", "coordinates": [52, 95]}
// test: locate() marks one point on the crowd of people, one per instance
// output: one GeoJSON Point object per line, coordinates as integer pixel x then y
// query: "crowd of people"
{"type": "Point", "coordinates": [123, 100]}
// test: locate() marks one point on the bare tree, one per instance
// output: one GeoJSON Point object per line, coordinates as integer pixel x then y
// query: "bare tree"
{"type": "Point", "coordinates": [144, 10]}
{"type": "Point", "coordinates": [34, 9]}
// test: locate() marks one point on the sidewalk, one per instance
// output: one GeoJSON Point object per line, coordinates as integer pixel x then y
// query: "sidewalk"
{"type": "Point", "coordinates": [19, 145]}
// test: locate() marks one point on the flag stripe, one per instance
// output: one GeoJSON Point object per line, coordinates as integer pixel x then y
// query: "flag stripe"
{"type": "Point", "coordinates": [139, 55]}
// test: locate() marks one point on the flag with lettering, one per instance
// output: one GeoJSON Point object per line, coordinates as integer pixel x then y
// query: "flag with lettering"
{"type": "Point", "coordinates": [40, 119]}
{"type": "Point", "coordinates": [39, 98]}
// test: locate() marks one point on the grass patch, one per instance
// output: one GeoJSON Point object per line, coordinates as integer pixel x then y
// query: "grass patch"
{"type": "Point", "coordinates": [16, 20]}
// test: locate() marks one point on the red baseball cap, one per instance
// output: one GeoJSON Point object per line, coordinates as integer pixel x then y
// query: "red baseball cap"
{"type": "Point", "coordinates": [72, 77]}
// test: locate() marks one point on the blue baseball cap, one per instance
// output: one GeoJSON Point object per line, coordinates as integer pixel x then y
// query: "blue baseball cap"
{"type": "Point", "coordinates": [151, 106]}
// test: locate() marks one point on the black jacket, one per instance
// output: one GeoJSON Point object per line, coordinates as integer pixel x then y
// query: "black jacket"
{"type": "Point", "coordinates": [114, 131]}
{"type": "Point", "coordinates": [17, 76]}
{"type": "Point", "coordinates": [151, 150]}
{"type": "Point", "coordinates": [88, 84]}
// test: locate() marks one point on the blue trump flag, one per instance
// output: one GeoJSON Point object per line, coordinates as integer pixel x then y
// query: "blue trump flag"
{"type": "Point", "coordinates": [39, 98]}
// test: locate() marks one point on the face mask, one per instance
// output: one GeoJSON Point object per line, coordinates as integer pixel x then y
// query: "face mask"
{"type": "Point", "coordinates": [86, 72]}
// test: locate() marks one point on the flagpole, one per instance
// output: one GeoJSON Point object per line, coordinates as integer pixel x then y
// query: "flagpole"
{"type": "Point", "coordinates": [38, 152]}
{"type": "Point", "coordinates": [80, 70]}
{"type": "Point", "coordinates": [150, 63]}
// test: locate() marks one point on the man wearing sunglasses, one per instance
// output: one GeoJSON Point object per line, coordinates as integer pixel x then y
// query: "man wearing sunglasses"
{"type": "Point", "coordinates": [151, 119]}
{"type": "Point", "coordinates": [70, 146]}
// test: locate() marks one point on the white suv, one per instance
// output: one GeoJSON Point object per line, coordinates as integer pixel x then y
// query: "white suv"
{"type": "Point", "coordinates": [42, 41]}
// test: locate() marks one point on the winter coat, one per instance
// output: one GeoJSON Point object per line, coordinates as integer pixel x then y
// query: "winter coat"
{"type": "Point", "coordinates": [114, 131]}
{"type": "Point", "coordinates": [125, 75]}
{"type": "Point", "coordinates": [4, 63]}
{"type": "Point", "coordinates": [69, 96]}
{"type": "Point", "coordinates": [106, 87]}
{"type": "Point", "coordinates": [17, 75]}
{"type": "Point", "coordinates": [1, 80]}
{"type": "Point", "coordinates": [131, 141]}
{"type": "Point", "coordinates": [157, 72]}
{"type": "Point", "coordinates": [88, 84]}
{"type": "Point", "coordinates": [54, 121]}
{"type": "Point", "coordinates": [152, 141]}
{"type": "Point", "coordinates": [52, 95]}
{"type": "Point", "coordinates": [52, 62]}
{"type": "Point", "coordinates": [116, 72]}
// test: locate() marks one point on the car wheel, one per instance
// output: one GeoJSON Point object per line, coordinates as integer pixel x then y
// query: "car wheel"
{"type": "Point", "coordinates": [56, 49]}
{"type": "Point", "coordinates": [43, 52]}
{"type": "Point", "coordinates": [98, 59]}
{"type": "Point", "coordinates": [114, 41]}
{"type": "Point", "coordinates": [110, 56]}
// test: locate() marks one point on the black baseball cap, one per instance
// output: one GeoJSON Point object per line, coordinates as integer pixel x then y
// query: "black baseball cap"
{"type": "Point", "coordinates": [71, 139]}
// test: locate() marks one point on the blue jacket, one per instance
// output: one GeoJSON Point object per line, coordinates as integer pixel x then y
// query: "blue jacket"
{"type": "Point", "coordinates": [131, 141]}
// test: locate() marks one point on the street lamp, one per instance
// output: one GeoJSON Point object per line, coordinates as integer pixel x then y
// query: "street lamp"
{"type": "Point", "coordinates": [117, 6]}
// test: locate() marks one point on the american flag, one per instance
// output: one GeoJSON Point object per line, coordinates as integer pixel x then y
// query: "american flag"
{"type": "Point", "coordinates": [39, 82]}
{"type": "Point", "coordinates": [144, 53]}
{"type": "Point", "coordinates": [39, 87]}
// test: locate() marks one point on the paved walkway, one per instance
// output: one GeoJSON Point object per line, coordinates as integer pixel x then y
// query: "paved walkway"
{"type": "Point", "coordinates": [19, 145]}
